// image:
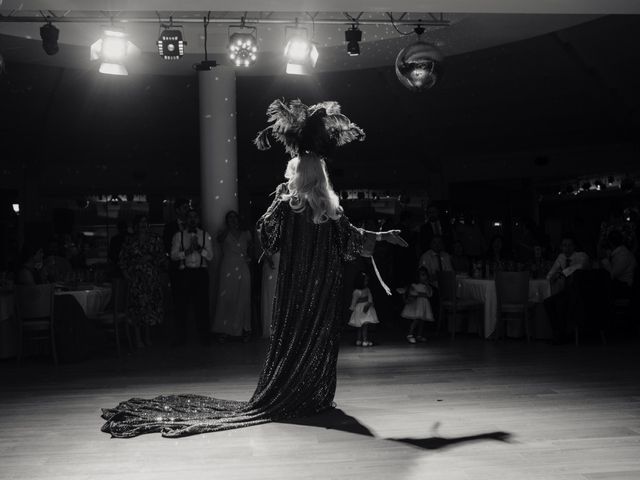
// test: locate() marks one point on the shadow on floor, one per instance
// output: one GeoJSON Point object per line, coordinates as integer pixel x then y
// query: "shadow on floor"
{"type": "Point", "coordinates": [336, 419]}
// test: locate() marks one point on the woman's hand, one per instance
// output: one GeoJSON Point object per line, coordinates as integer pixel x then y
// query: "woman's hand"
{"type": "Point", "coordinates": [393, 237]}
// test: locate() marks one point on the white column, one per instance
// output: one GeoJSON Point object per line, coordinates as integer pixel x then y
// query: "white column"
{"type": "Point", "coordinates": [218, 154]}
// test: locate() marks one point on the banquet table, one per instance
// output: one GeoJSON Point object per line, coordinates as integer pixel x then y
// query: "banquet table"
{"type": "Point", "coordinates": [74, 306]}
{"type": "Point", "coordinates": [93, 299]}
{"type": "Point", "coordinates": [485, 291]}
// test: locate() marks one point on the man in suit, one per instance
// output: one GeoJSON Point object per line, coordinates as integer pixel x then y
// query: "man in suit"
{"type": "Point", "coordinates": [434, 226]}
{"type": "Point", "coordinates": [181, 207]}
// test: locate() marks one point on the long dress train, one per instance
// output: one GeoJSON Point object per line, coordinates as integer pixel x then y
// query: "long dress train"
{"type": "Point", "coordinates": [299, 373]}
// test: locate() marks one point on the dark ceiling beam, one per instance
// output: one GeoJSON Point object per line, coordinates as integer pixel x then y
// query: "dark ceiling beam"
{"type": "Point", "coordinates": [430, 20]}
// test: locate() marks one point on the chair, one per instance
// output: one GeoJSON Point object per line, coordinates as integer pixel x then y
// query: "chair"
{"type": "Point", "coordinates": [112, 319]}
{"type": "Point", "coordinates": [34, 311]}
{"type": "Point", "coordinates": [450, 303]}
{"type": "Point", "coordinates": [512, 293]}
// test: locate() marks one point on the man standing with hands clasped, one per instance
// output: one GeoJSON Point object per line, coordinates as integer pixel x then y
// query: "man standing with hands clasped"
{"type": "Point", "coordinates": [192, 249]}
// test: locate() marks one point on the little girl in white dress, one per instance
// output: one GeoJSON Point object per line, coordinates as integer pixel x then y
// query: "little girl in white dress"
{"type": "Point", "coordinates": [363, 313]}
{"type": "Point", "coordinates": [417, 306]}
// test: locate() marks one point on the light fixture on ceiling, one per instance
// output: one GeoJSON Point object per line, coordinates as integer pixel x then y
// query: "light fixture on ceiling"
{"type": "Point", "coordinates": [353, 36]}
{"type": "Point", "coordinates": [113, 49]}
{"type": "Point", "coordinates": [300, 52]}
{"type": "Point", "coordinates": [243, 45]}
{"type": "Point", "coordinates": [49, 35]}
{"type": "Point", "coordinates": [419, 65]}
{"type": "Point", "coordinates": [170, 43]}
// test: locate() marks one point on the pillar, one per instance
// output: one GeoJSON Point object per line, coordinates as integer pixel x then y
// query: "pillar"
{"type": "Point", "coordinates": [218, 154]}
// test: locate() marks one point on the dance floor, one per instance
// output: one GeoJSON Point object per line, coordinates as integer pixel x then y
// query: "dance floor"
{"type": "Point", "coordinates": [467, 409]}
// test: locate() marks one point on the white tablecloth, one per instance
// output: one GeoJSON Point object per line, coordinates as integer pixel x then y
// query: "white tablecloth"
{"type": "Point", "coordinates": [93, 301]}
{"type": "Point", "coordinates": [485, 291]}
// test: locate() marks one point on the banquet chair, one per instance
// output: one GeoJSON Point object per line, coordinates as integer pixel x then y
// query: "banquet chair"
{"type": "Point", "coordinates": [512, 293]}
{"type": "Point", "coordinates": [451, 304]}
{"type": "Point", "coordinates": [34, 311]}
{"type": "Point", "coordinates": [116, 317]}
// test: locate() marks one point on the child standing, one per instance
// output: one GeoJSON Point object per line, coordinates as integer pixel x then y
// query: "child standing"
{"type": "Point", "coordinates": [417, 306]}
{"type": "Point", "coordinates": [363, 313]}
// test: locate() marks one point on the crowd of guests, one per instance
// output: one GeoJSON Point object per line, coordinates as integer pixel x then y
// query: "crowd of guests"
{"type": "Point", "coordinates": [175, 266]}
{"type": "Point", "coordinates": [436, 245]}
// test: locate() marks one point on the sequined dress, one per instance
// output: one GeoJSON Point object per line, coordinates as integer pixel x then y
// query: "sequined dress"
{"type": "Point", "coordinates": [299, 373]}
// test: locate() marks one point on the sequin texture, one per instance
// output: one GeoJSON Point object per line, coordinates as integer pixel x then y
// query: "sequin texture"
{"type": "Point", "coordinates": [299, 373]}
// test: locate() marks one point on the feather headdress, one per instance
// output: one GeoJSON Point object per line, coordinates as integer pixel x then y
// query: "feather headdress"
{"type": "Point", "coordinates": [318, 128]}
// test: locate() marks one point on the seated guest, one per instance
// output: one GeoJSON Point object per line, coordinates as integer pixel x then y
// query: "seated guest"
{"type": "Point", "coordinates": [459, 261]}
{"type": "Point", "coordinates": [496, 258]}
{"type": "Point", "coordinates": [568, 261]}
{"type": "Point", "coordinates": [539, 265]}
{"type": "Point", "coordinates": [436, 260]}
{"type": "Point", "coordinates": [566, 307]}
{"type": "Point", "coordinates": [620, 263]}
{"type": "Point", "coordinates": [55, 264]}
{"type": "Point", "coordinates": [31, 271]}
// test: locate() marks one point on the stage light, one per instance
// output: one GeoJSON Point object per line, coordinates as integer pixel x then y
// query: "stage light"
{"type": "Point", "coordinates": [243, 46]}
{"type": "Point", "coordinates": [301, 53]}
{"type": "Point", "coordinates": [16, 208]}
{"type": "Point", "coordinates": [112, 49]}
{"type": "Point", "coordinates": [171, 45]}
{"type": "Point", "coordinates": [352, 37]}
{"type": "Point", "coordinates": [49, 35]}
{"type": "Point", "coordinates": [599, 185]}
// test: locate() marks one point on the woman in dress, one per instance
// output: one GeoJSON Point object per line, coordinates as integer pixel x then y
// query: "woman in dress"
{"type": "Point", "coordinates": [141, 259]}
{"type": "Point", "coordinates": [233, 304]}
{"type": "Point", "coordinates": [305, 223]}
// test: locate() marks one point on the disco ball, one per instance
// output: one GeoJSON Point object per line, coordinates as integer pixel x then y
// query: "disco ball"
{"type": "Point", "coordinates": [419, 66]}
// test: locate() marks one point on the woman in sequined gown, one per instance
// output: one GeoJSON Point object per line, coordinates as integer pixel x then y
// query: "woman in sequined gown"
{"type": "Point", "coordinates": [306, 226]}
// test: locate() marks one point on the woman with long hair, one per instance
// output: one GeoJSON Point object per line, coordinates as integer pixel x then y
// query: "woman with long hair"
{"type": "Point", "coordinates": [233, 304]}
{"type": "Point", "coordinates": [306, 224]}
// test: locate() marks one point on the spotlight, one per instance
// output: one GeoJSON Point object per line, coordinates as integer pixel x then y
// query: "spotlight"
{"type": "Point", "coordinates": [301, 53]}
{"type": "Point", "coordinates": [16, 208]}
{"type": "Point", "coordinates": [352, 37]}
{"type": "Point", "coordinates": [599, 185]}
{"type": "Point", "coordinates": [171, 45]}
{"type": "Point", "coordinates": [112, 49]}
{"type": "Point", "coordinates": [243, 46]}
{"type": "Point", "coordinates": [49, 35]}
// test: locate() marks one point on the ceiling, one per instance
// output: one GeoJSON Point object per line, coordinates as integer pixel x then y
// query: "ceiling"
{"type": "Point", "coordinates": [474, 25]}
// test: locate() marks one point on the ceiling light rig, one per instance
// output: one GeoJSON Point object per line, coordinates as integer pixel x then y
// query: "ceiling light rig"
{"type": "Point", "coordinates": [113, 49]}
{"type": "Point", "coordinates": [171, 43]}
{"type": "Point", "coordinates": [243, 44]}
{"type": "Point", "coordinates": [300, 52]}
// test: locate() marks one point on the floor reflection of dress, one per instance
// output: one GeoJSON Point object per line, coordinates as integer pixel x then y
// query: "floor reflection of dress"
{"type": "Point", "coordinates": [299, 374]}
